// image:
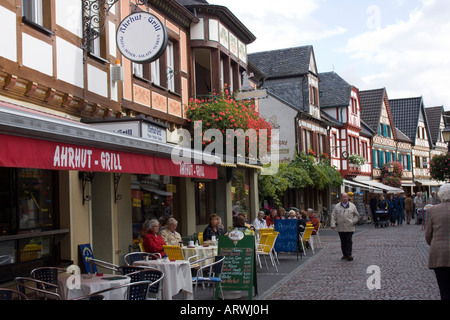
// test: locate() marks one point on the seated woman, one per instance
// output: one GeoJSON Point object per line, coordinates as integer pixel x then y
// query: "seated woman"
{"type": "Point", "coordinates": [213, 228]}
{"type": "Point", "coordinates": [153, 243]}
{"type": "Point", "coordinates": [239, 224]}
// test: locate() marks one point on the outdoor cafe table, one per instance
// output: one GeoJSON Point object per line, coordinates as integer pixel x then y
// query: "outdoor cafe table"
{"type": "Point", "coordinates": [90, 283]}
{"type": "Point", "coordinates": [177, 276]}
{"type": "Point", "coordinates": [200, 251]}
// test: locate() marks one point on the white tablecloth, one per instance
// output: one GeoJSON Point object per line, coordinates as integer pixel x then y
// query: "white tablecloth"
{"type": "Point", "coordinates": [70, 288]}
{"type": "Point", "coordinates": [177, 276]}
{"type": "Point", "coordinates": [200, 251]}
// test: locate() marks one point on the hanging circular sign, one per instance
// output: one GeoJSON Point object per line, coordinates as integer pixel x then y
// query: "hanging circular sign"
{"type": "Point", "coordinates": [141, 37]}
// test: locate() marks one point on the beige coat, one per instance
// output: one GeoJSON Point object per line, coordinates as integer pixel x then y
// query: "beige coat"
{"type": "Point", "coordinates": [437, 235]}
{"type": "Point", "coordinates": [170, 238]}
{"type": "Point", "coordinates": [344, 218]}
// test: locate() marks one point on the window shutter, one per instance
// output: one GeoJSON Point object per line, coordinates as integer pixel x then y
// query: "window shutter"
{"type": "Point", "coordinates": [374, 158]}
{"type": "Point", "coordinates": [409, 162]}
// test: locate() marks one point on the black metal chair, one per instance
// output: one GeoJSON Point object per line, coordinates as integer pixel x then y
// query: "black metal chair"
{"type": "Point", "coordinates": [137, 273]}
{"type": "Point", "coordinates": [47, 274]}
{"type": "Point", "coordinates": [11, 294]}
{"type": "Point", "coordinates": [135, 290]}
{"type": "Point", "coordinates": [90, 297]}
{"type": "Point", "coordinates": [131, 257]}
{"type": "Point", "coordinates": [41, 291]}
{"type": "Point", "coordinates": [209, 274]}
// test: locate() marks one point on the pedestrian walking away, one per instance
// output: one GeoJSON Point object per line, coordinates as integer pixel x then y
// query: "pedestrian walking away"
{"type": "Point", "coordinates": [344, 218]}
{"type": "Point", "coordinates": [437, 235]}
{"type": "Point", "coordinates": [409, 207]}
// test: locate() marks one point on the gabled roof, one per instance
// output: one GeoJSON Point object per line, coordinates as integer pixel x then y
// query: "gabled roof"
{"type": "Point", "coordinates": [335, 91]}
{"type": "Point", "coordinates": [285, 70]}
{"type": "Point", "coordinates": [366, 130]}
{"type": "Point", "coordinates": [282, 63]}
{"type": "Point", "coordinates": [371, 103]}
{"type": "Point", "coordinates": [223, 13]}
{"type": "Point", "coordinates": [406, 116]}
{"type": "Point", "coordinates": [434, 116]}
{"type": "Point", "coordinates": [402, 137]}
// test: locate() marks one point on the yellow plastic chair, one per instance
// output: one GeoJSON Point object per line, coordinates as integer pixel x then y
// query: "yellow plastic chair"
{"type": "Point", "coordinates": [173, 252]}
{"type": "Point", "coordinates": [200, 238]}
{"type": "Point", "coordinates": [316, 237]}
{"type": "Point", "coordinates": [266, 231]}
{"type": "Point", "coordinates": [266, 249]}
{"type": "Point", "coordinates": [306, 236]}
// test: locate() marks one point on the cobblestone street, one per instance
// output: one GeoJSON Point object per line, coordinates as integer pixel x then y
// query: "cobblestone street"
{"type": "Point", "coordinates": [400, 253]}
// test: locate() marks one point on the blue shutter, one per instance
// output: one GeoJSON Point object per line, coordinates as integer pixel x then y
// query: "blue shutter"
{"type": "Point", "coordinates": [374, 158]}
{"type": "Point", "coordinates": [400, 158]}
{"type": "Point", "coordinates": [394, 156]}
{"type": "Point", "coordinates": [409, 162]}
{"type": "Point", "coordinates": [384, 130]}
{"type": "Point", "coordinates": [388, 157]}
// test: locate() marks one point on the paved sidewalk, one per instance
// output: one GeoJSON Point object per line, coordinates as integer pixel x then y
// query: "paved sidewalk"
{"type": "Point", "coordinates": [400, 252]}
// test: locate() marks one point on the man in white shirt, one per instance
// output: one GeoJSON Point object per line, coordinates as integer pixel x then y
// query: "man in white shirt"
{"type": "Point", "coordinates": [260, 222]}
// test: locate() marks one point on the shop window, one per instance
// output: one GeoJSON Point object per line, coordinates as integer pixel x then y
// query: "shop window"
{"type": "Point", "coordinates": [28, 205]}
{"type": "Point", "coordinates": [28, 200]}
{"type": "Point", "coordinates": [152, 198]}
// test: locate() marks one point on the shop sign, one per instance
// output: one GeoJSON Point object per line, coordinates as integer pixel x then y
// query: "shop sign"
{"type": "Point", "coordinates": [23, 152]}
{"type": "Point", "coordinates": [141, 37]}
{"type": "Point", "coordinates": [136, 128]}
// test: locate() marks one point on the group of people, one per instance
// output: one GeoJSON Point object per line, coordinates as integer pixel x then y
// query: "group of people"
{"type": "Point", "coordinates": [262, 221]}
{"type": "Point", "coordinates": [155, 237]}
{"type": "Point", "coordinates": [402, 208]}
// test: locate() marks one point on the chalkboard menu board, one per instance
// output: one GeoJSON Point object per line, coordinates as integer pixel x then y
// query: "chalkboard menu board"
{"type": "Point", "coordinates": [238, 273]}
{"type": "Point", "coordinates": [287, 240]}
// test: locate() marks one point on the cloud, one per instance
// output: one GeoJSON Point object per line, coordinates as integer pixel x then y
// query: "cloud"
{"type": "Point", "coordinates": [410, 58]}
{"type": "Point", "coordinates": [286, 24]}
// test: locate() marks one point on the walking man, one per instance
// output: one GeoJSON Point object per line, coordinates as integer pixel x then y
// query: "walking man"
{"type": "Point", "coordinates": [345, 216]}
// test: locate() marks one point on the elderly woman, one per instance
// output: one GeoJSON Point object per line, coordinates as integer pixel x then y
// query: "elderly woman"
{"type": "Point", "coordinates": [153, 243]}
{"type": "Point", "coordinates": [437, 235]}
{"type": "Point", "coordinates": [169, 235]}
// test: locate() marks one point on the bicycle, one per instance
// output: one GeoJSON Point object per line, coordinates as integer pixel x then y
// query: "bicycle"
{"type": "Point", "coordinates": [325, 218]}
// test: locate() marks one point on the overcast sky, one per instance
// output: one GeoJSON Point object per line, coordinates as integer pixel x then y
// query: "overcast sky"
{"type": "Point", "coordinates": [402, 45]}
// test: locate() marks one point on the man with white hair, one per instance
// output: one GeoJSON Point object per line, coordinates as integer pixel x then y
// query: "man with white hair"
{"type": "Point", "coordinates": [169, 234]}
{"type": "Point", "coordinates": [345, 216]}
{"type": "Point", "coordinates": [437, 235]}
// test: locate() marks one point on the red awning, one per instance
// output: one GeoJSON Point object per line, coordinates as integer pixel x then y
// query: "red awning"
{"type": "Point", "coordinates": [25, 152]}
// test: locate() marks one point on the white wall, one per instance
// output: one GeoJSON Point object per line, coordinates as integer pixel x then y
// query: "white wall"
{"type": "Point", "coordinates": [8, 36]}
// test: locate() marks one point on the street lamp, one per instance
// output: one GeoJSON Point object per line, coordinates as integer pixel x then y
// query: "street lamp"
{"type": "Point", "coordinates": [390, 167]}
{"type": "Point", "coordinates": [446, 135]}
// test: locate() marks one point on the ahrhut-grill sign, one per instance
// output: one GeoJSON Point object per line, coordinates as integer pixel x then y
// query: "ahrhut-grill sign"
{"type": "Point", "coordinates": [141, 37]}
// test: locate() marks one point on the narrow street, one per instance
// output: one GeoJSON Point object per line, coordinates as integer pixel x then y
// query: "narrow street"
{"type": "Point", "coordinates": [401, 254]}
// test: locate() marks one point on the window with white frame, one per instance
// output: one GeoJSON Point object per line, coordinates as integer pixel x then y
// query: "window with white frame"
{"type": "Point", "coordinates": [33, 10]}
{"type": "Point", "coordinates": [138, 70]}
{"type": "Point", "coordinates": [156, 74]}
{"type": "Point", "coordinates": [170, 67]}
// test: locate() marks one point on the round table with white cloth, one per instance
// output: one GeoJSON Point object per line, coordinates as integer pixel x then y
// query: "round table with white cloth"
{"type": "Point", "coordinates": [177, 276]}
{"type": "Point", "coordinates": [75, 286]}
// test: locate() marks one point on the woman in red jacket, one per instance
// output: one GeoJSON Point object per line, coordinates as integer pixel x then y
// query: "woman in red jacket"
{"type": "Point", "coordinates": [153, 242]}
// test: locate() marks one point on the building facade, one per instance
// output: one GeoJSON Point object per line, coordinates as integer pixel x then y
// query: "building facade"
{"type": "Point", "coordinates": [104, 141]}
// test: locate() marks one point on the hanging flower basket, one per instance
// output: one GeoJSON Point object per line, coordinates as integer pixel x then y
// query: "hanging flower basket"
{"type": "Point", "coordinates": [356, 160]}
